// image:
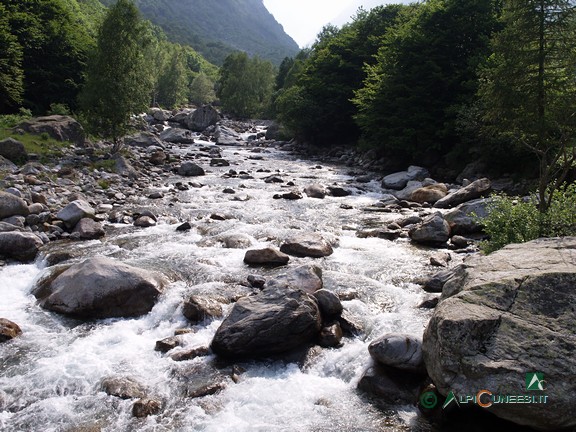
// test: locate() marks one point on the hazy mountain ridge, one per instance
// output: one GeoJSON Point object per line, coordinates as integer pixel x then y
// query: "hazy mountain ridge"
{"type": "Point", "coordinates": [216, 28]}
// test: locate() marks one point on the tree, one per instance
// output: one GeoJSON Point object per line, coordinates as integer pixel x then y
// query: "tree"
{"type": "Point", "coordinates": [54, 48]}
{"type": "Point", "coordinates": [118, 81]}
{"type": "Point", "coordinates": [202, 89]}
{"type": "Point", "coordinates": [426, 70]}
{"type": "Point", "coordinates": [246, 85]}
{"type": "Point", "coordinates": [528, 89]}
{"type": "Point", "coordinates": [173, 80]}
{"type": "Point", "coordinates": [11, 73]}
{"type": "Point", "coordinates": [320, 110]}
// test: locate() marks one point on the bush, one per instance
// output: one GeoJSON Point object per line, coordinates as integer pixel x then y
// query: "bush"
{"type": "Point", "coordinates": [513, 220]}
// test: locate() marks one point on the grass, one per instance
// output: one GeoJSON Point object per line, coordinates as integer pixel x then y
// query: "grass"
{"type": "Point", "coordinates": [46, 147]}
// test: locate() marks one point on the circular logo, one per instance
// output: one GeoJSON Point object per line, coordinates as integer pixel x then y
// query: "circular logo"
{"type": "Point", "coordinates": [428, 400]}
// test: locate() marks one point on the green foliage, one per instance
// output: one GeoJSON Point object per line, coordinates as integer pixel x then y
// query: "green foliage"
{"type": "Point", "coordinates": [173, 80]}
{"type": "Point", "coordinates": [328, 76]}
{"type": "Point", "coordinates": [54, 46]}
{"type": "Point", "coordinates": [528, 89]}
{"type": "Point", "coordinates": [511, 220]}
{"type": "Point", "coordinates": [202, 90]}
{"type": "Point", "coordinates": [246, 84]}
{"type": "Point", "coordinates": [108, 165]}
{"type": "Point", "coordinates": [427, 69]}
{"type": "Point", "coordinates": [11, 73]}
{"type": "Point", "coordinates": [58, 109]}
{"type": "Point", "coordinates": [46, 147]}
{"type": "Point", "coordinates": [8, 121]}
{"type": "Point", "coordinates": [118, 83]}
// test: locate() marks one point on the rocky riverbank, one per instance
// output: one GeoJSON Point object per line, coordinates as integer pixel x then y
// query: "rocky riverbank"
{"type": "Point", "coordinates": [84, 213]}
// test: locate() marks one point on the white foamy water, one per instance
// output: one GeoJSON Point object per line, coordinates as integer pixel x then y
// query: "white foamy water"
{"type": "Point", "coordinates": [50, 376]}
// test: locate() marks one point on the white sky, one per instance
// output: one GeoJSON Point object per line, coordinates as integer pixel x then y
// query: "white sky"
{"type": "Point", "coordinates": [303, 19]}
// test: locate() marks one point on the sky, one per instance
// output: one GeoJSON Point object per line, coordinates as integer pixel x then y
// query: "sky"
{"type": "Point", "coordinates": [303, 19]}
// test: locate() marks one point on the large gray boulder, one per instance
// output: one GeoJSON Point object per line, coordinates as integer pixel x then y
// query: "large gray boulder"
{"type": "Point", "coordinates": [100, 287]}
{"type": "Point", "coordinates": [399, 351]}
{"type": "Point", "coordinates": [512, 315]}
{"type": "Point", "coordinates": [190, 169]}
{"type": "Point", "coordinates": [61, 128]}
{"type": "Point", "coordinates": [466, 218]}
{"type": "Point", "coordinates": [474, 190]}
{"type": "Point", "coordinates": [399, 180]}
{"type": "Point", "coordinates": [307, 245]}
{"type": "Point", "coordinates": [89, 229]}
{"type": "Point", "coordinates": [226, 136]}
{"type": "Point", "coordinates": [177, 136]}
{"type": "Point", "coordinates": [6, 166]}
{"type": "Point", "coordinates": [11, 205]}
{"type": "Point", "coordinates": [272, 322]}
{"type": "Point", "coordinates": [306, 278]}
{"type": "Point", "coordinates": [202, 118]}
{"type": "Point", "coordinates": [73, 212]}
{"type": "Point", "coordinates": [13, 150]}
{"type": "Point", "coordinates": [22, 246]}
{"type": "Point", "coordinates": [143, 139]}
{"type": "Point", "coordinates": [433, 230]}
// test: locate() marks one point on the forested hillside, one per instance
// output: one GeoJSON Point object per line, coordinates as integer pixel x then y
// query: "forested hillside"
{"type": "Point", "coordinates": [217, 28]}
{"type": "Point", "coordinates": [45, 51]}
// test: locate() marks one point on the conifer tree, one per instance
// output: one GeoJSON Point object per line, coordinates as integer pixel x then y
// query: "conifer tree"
{"type": "Point", "coordinates": [528, 89]}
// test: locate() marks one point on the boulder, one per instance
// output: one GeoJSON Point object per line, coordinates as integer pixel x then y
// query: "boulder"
{"type": "Point", "coordinates": [273, 132]}
{"type": "Point", "coordinates": [73, 212]}
{"type": "Point", "coordinates": [399, 180]}
{"type": "Point", "coordinates": [143, 139]}
{"type": "Point", "coordinates": [11, 205]}
{"type": "Point", "coordinates": [89, 229]}
{"type": "Point", "coordinates": [272, 322]}
{"type": "Point", "coordinates": [13, 150]}
{"type": "Point", "coordinates": [100, 287]}
{"type": "Point", "coordinates": [398, 351]}
{"type": "Point", "coordinates": [226, 136]}
{"type": "Point", "coordinates": [511, 316]}
{"type": "Point", "coordinates": [158, 157]}
{"type": "Point", "coordinates": [202, 118]}
{"type": "Point", "coordinates": [337, 191]}
{"type": "Point", "coordinates": [391, 386]}
{"type": "Point", "coordinates": [61, 128]}
{"type": "Point", "coordinates": [7, 166]}
{"type": "Point", "coordinates": [197, 309]}
{"type": "Point", "coordinates": [8, 330]}
{"type": "Point", "coordinates": [432, 230]}
{"type": "Point", "coordinates": [329, 303]}
{"type": "Point", "coordinates": [307, 245]}
{"type": "Point", "coordinates": [123, 387]}
{"type": "Point", "coordinates": [160, 114]}
{"type": "Point", "coordinates": [466, 218]}
{"type": "Point", "coordinates": [474, 190]}
{"type": "Point", "coordinates": [177, 136]}
{"type": "Point", "coordinates": [315, 191]}
{"type": "Point", "coordinates": [190, 169]}
{"type": "Point", "coordinates": [429, 194]}
{"type": "Point", "coordinates": [266, 256]}
{"type": "Point", "coordinates": [330, 336]}
{"type": "Point", "coordinates": [22, 246]}
{"type": "Point", "coordinates": [306, 278]}
{"type": "Point", "coordinates": [146, 407]}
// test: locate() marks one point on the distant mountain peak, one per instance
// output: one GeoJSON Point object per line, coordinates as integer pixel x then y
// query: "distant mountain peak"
{"type": "Point", "coordinates": [216, 28]}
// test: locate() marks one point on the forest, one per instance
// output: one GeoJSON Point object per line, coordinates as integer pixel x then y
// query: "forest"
{"type": "Point", "coordinates": [439, 83]}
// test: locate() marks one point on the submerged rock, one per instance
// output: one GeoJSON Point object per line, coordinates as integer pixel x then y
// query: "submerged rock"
{"type": "Point", "coordinates": [101, 288]}
{"type": "Point", "coordinates": [8, 330]}
{"type": "Point", "coordinates": [306, 278]}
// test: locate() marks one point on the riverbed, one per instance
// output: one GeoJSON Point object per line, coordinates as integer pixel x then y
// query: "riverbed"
{"type": "Point", "coordinates": [50, 376]}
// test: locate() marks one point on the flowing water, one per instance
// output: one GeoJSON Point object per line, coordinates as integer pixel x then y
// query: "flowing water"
{"type": "Point", "coordinates": [50, 376]}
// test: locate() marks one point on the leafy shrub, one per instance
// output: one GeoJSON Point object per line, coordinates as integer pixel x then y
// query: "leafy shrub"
{"type": "Point", "coordinates": [59, 109]}
{"type": "Point", "coordinates": [513, 220]}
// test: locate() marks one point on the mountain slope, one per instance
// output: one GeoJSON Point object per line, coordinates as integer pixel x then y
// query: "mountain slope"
{"type": "Point", "coordinates": [216, 28]}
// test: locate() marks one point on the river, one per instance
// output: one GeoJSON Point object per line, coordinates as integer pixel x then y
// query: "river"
{"type": "Point", "coordinates": [50, 376]}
